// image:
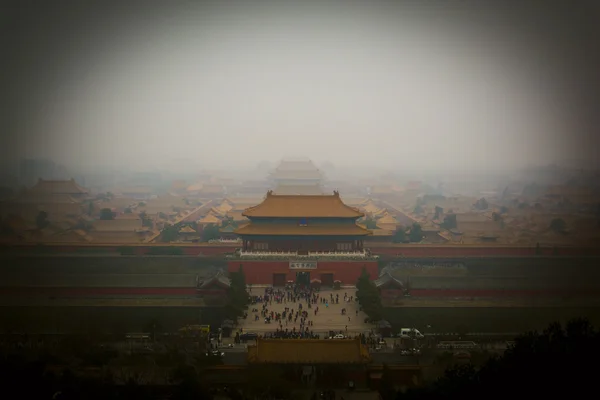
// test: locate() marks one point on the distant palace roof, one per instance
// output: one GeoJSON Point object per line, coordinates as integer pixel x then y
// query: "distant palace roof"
{"type": "Point", "coordinates": [58, 187]}
{"type": "Point", "coordinates": [289, 206]}
{"type": "Point", "coordinates": [297, 165]}
{"type": "Point", "coordinates": [308, 351]}
{"type": "Point", "coordinates": [297, 230]}
{"type": "Point", "coordinates": [297, 175]}
{"type": "Point", "coordinates": [314, 189]}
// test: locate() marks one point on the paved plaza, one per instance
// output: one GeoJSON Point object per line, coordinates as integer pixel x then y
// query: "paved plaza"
{"type": "Point", "coordinates": [328, 318]}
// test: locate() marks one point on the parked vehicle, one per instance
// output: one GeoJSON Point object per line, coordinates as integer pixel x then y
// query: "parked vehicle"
{"type": "Point", "coordinates": [411, 333]}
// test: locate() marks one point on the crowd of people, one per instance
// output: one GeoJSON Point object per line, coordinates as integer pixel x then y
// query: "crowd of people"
{"type": "Point", "coordinates": [291, 309]}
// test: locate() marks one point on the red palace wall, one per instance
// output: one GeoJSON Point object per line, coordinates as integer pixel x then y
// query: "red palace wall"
{"type": "Point", "coordinates": [385, 249]}
{"type": "Point", "coordinates": [99, 291]}
{"type": "Point", "coordinates": [483, 251]}
{"type": "Point", "coordinates": [498, 293]}
{"type": "Point", "coordinates": [261, 272]}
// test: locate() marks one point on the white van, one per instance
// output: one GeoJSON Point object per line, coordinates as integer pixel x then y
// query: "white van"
{"type": "Point", "coordinates": [411, 333]}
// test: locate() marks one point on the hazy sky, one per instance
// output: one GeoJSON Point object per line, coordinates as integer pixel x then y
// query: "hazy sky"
{"type": "Point", "coordinates": [376, 85]}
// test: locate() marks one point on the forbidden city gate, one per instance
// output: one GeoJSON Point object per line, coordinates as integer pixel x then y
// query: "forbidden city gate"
{"type": "Point", "coordinates": [303, 278]}
{"type": "Point", "coordinates": [301, 229]}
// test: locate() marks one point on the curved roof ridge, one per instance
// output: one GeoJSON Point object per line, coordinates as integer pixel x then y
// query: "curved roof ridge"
{"type": "Point", "coordinates": [302, 206]}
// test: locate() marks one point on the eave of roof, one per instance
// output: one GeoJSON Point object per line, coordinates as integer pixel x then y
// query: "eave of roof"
{"type": "Point", "coordinates": [297, 230]}
{"type": "Point", "coordinates": [302, 206]}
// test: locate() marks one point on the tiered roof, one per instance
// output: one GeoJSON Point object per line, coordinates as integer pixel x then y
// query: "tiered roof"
{"type": "Point", "coordinates": [187, 229]}
{"type": "Point", "coordinates": [306, 206]}
{"type": "Point", "coordinates": [209, 219]}
{"type": "Point", "coordinates": [118, 225]}
{"type": "Point", "coordinates": [308, 351]}
{"type": "Point", "coordinates": [310, 190]}
{"type": "Point", "coordinates": [387, 279]}
{"type": "Point", "coordinates": [300, 230]}
{"type": "Point", "coordinates": [297, 170]}
{"type": "Point", "coordinates": [219, 279]}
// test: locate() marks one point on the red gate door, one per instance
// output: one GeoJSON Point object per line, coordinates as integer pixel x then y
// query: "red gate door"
{"type": "Point", "coordinates": [278, 279]}
{"type": "Point", "coordinates": [327, 280]}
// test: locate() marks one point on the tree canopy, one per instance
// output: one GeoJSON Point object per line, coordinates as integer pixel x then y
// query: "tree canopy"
{"type": "Point", "coordinates": [169, 234]}
{"type": "Point", "coordinates": [368, 296]}
{"type": "Point", "coordinates": [558, 225]}
{"type": "Point", "coordinates": [399, 235]}
{"type": "Point", "coordinates": [416, 233]}
{"type": "Point", "coordinates": [449, 222]}
{"type": "Point", "coordinates": [41, 220]}
{"type": "Point", "coordinates": [481, 204]}
{"type": "Point", "coordinates": [106, 214]}
{"type": "Point", "coordinates": [237, 295]}
{"type": "Point", "coordinates": [210, 232]}
{"type": "Point", "coordinates": [554, 363]}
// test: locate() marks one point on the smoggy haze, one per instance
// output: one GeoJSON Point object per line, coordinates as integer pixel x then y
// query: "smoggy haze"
{"type": "Point", "coordinates": [236, 85]}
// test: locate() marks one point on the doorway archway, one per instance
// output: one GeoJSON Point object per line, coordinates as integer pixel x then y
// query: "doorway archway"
{"type": "Point", "coordinates": [303, 278]}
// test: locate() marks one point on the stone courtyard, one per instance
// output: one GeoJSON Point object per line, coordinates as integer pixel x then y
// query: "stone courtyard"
{"type": "Point", "coordinates": [327, 319]}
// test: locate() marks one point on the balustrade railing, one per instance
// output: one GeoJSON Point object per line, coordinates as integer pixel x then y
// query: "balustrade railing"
{"type": "Point", "coordinates": [294, 254]}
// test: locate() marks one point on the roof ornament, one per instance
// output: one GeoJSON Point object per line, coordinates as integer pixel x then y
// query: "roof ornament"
{"type": "Point", "coordinates": [336, 193]}
{"type": "Point", "coordinates": [269, 193]}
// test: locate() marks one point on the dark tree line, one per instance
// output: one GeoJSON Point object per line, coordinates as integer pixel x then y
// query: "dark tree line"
{"type": "Point", "coordinates": [559, 362]}
{"type": "Point", "coordinates": [369, 297]}
{"type": "Point", "coordinates": [237, 295]}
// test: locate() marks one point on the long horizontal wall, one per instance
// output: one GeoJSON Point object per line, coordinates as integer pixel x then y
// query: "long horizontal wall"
{"type": "Point", "coordinates": [387, 249]}
{"type": "Point", "coordinates": [99, 291]}
{"type": "Point", "coordinates": [501, 293]}
{"type": "Point", "coordinates": [261, 272]}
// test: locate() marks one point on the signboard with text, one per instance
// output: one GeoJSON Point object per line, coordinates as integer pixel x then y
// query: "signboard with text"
{"type": "Point", "coordinates": [303, 265]}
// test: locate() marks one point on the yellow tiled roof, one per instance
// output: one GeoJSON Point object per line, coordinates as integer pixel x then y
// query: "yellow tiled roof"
{"type": "Point", "coordinates": [297, 230]}
{"type": "Point", "coordinates": [209, 219]}
{"type": "Point", "coordinates": [318, 206]}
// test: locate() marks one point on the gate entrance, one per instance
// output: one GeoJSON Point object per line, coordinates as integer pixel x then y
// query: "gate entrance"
{"type": "Point", "coordinates": [303, 278]}
{"type": "Point", "coordinates": [278, 279]}
{"type": "Point", "coordinates": [327, 280]}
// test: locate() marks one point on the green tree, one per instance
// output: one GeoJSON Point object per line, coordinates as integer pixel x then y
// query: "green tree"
{"type": "Point", "coordinates": [41, 221]}
{"type": "Point", "coordinates": [399, 235]}
{"type": "Point", "coordinates": [481, 204]}
{"type": "Point", "coordinates": [370, 223]}
{"type": "Point", "coordinates": [210, 232]}
{"type": "Point", "coordinates": [416, 233]}
{"type": "Point", "coordinates": [106, 214]}
{"type": "Point", "coordinates": [368, 296]}
{"type": "Point", "coordinates": [237, 295]}
{"type": "Point", "coordinates": [558, 225]}
{"type": "Point", "coordinates": [146, 221]}
{"type": "Point", "coordinates": [169, 234]}
{"type": "Point", "coordinates": [532, 366]}
{"type": "Point", "coordinates": [449, 222]}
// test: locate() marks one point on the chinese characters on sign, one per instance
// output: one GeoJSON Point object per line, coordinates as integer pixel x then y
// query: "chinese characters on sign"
{"type": "Point", "coordinates": [303, 265]}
